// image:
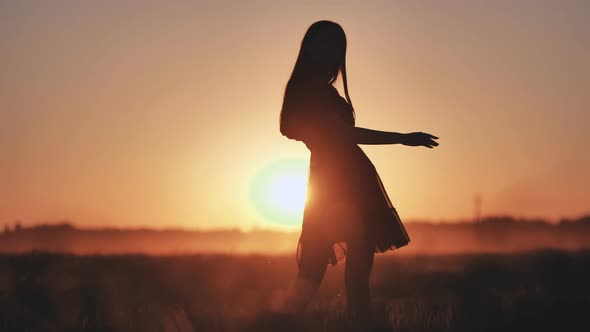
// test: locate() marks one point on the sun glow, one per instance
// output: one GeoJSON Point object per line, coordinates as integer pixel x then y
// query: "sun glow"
{"type": "Point", "coordinates": [278, 191]}
{"type": "Point", "coordinates": [287, 192]}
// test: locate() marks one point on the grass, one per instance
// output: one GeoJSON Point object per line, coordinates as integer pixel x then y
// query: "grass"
{"type": "Point", "coordinates": [537, 291]}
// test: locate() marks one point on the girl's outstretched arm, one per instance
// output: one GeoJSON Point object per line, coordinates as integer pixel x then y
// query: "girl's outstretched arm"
{"type": "Point", "coordinates": [370, 136]}
{"type": "Point", "coordinates": [330, 125]}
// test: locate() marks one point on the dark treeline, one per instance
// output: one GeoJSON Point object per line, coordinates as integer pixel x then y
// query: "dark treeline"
{"type": "Point", "coordinates": [492, 234]}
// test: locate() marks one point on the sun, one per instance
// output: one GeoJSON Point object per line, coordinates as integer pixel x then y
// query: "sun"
{"type": "Point", "coordinates": [278, 191]}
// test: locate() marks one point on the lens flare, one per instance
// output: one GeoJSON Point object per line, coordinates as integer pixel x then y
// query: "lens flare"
{"type": "Point", "coordinates": [278, 191]}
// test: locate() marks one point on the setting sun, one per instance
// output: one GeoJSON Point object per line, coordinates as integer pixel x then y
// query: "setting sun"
{"type": "Point", "coordinates": [278, 191]}
{"type": "Point", "coordinates": [288, 192]}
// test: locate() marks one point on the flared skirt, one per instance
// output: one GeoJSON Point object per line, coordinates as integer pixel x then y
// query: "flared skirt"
{"type": "Point", "coordinates": [346, 201]}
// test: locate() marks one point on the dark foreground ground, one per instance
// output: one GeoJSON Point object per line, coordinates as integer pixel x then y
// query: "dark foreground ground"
{"type": "Point", "coordinates": [539, 291]}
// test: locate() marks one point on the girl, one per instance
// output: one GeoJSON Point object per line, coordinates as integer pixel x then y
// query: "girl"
{"type": "Point", "coordinates": [347, 211]}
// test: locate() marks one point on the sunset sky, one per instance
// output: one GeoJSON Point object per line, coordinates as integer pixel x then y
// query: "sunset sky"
{"type": "Point", "coordinates": [165, 114]}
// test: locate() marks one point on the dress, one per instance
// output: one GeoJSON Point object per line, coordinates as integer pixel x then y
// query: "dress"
{"type": "Point", "coordinates": [346, 200]}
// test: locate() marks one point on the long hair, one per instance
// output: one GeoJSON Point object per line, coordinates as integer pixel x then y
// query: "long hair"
{"type": "Point", "coordinates": [321, 58]}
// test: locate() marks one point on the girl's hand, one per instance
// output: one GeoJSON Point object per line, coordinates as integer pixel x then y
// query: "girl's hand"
{"type": "Point", "coordinates": [420, 139]}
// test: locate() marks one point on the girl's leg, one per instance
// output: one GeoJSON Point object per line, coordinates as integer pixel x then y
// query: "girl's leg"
{"type": "Point", "coordinates": [313, 262]}
{"type": "Point", "coordinates": [359, 262]}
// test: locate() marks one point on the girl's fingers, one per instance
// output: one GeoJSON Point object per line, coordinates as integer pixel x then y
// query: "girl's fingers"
{"type": "Point", "coordinates": [432, 142]}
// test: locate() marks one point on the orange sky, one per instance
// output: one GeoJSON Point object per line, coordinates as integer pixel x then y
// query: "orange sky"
{"type": "Point", "coordinates": [161, 115]}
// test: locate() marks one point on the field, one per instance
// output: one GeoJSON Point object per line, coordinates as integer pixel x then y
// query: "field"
{"type": "Point", "coordinates": [536, 291]}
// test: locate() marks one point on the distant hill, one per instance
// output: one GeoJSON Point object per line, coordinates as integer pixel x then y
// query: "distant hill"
{"type": "Point", "coordinates": [493, 234]}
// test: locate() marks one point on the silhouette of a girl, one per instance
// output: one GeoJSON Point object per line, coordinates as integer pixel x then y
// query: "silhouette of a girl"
{"type": "Point", "coordinates": [347, 211]}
